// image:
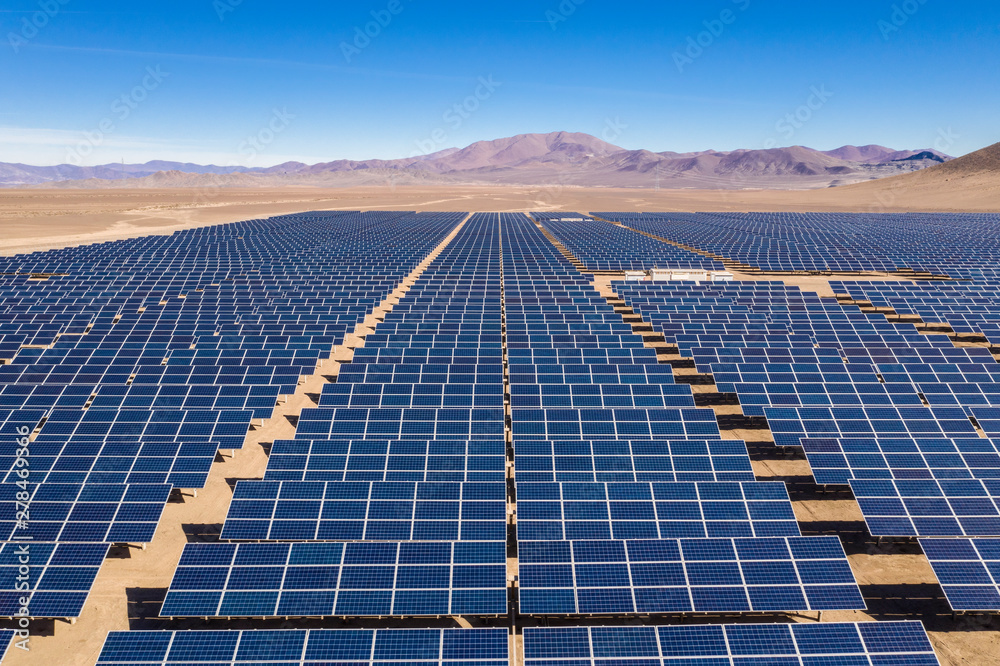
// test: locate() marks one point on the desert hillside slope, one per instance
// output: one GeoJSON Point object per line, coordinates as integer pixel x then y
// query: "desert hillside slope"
{"type": "Point", "coordinates": [969, 181]}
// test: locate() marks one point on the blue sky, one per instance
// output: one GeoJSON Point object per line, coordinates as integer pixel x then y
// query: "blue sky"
{"type": "Point", "coordinates": [254, 83]}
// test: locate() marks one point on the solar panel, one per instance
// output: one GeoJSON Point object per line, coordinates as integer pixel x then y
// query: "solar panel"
{"type": "Point", "coordinates": [837, 461]}
{"type": "Point", "coordinates": [617, 423]}
{"type": "Point", "coordinates": [90, 513]}
{"type": "Point", "coordinates": [59, 580]}
{"type": "Point", "coordinates": [6, 637]}
{"type": "Point", "coordinates": [968, 571]}
{"type": "Point", "coordinates": [733, 645]}
{"type": "Point", "coordinates": [228, 427]}
{"type": "Point", "coordinates": [627, 461]}
{"type": "Point", "coordinates": [685, 576]}
{"type": "Point", "coordinates": [592, 511]}
{"type": "Point", "coordinates": [335, 579]}
{"type": "Point", "coordinates": [367, 511]}
{"type": "Point", "coordinates": [116, 460]}
{"type": "Point", "coordinates": [389, 423]}
{"type": "Point", "coordinates": [790, 425]}
{"type": "Point", "coordinates": [440, 460]}
{"type": "Point", "coordinates": [260, 400]}
{"type": "Point", "coordinates": [377, 647]}
{"type": "Point", "coordinates": [929, 507]}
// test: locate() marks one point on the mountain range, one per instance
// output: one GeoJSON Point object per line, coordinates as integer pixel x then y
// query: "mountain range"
{"type": "Point", "coordinates": [559, 159]}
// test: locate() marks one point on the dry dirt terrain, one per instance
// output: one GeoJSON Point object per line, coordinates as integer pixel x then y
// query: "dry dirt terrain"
{"type": "Point", "coordinates": [39, 219]}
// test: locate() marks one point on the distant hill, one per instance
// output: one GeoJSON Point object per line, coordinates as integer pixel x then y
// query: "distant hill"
{"type": "Point", "coordinates": [559, 158]}
{"type": "Point", "coordinates": [968, 180]}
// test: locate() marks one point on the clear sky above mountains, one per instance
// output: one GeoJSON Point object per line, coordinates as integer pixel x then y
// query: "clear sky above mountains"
{"type": "Point", "coordinates": [254, 83]}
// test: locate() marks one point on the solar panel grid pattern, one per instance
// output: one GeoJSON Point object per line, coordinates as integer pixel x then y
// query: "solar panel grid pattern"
{"type": "Point", "coordinates": [360, 579]}
{"type": "Point", "coordinates": [685, 576]}
{"type": "Point", "coordinates": [377, 647]}
{"type": "Point", "coordinates": [361, 511]}
{"type": "Point", "coordinates": [931, 507]}
{"type": "Point", "coordinates": [90, 513]}
{"type": "Point", "coordinates": [626, 461]}
{"type": "Point", "coordinates": [968, 571]}
{"type": "Point", "coordinates": [117, 460]}
{"type": "Point", "coordinates": [602, 246]}
{"type": "Point", "coordinates": [940, 243]}
{"type": "Point", "coordinates": [60, 579]}
{"type": "Point", "coordinates": [790, 425]}
{"type": "Point", "coordinates": [824, 644]}
{"type": "Point", "coordinates": [837, 461]}
{"type": "Point", "coordinates": [572, 512]}
{"type": "Point", "coordinates": [479, 460]}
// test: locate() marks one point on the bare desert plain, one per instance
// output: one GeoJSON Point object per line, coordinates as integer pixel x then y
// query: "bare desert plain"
{"type": "Point", "coordinates": [894, 576]}
{"type": "Point", "coordinates": [41, 219]}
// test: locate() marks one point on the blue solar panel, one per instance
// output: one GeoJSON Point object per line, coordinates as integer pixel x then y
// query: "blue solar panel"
{"type": "Point", "coordinates": [626, 461]}
{"type": "Point", "coordinates": [837, 461]}
{"type": "Point", "coordinates": [930, 507]}
{"type": "Point", "coordinates": [117, 460]}
{"type": "Point", "coordinates": [827, 644]}
{"type": "Point", "coordinates": [335, 579]}
{"type": "Point", "coordinates": [790, 425]}
{"type": "Point", "coordinates": [90, 513]}
{"type": "Point", "coordinates": [421, 647]}
{"type": "Point", "coordinates": [6, 637]}
{"type": "Point", "coordinates": [577, 511]}
{"type": "Point", "coordinates": [58, 582]}
{"type": "Point", "coordinates": [480, 460]}
{"type": "Point", "coordinates": [968, 570]}
{"type": "Point", "coordinates": [363, 511]}
{"type": "Point", "coordinates": [684, 576]}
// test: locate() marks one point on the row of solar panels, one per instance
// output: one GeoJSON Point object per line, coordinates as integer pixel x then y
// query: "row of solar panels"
{"type": "Point", "coordinates": [939, 243]}
{"type": "Point", "coordinates": [119, 433]}
{"type": "Point", "coordinates": [717, 645]}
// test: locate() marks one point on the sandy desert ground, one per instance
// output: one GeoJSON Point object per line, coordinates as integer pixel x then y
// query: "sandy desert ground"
{"type": "Point", "coordinates": [38, 219]}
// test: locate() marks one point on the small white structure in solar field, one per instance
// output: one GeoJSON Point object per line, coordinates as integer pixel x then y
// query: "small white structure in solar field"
{"type": "Point", "coordinates": [635, 276]}
{"type": "Point", "coordinates": [691, 276]}
{"type": "Point", "coordinates": [723, 276]}
{"type": "Point", "coordinates": [661, 275]}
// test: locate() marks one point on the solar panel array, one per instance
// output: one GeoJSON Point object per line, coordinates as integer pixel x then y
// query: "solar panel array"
{"type": "Point", "coordinates": [939, 243]}
{"type": "Point", "coordinates": [402, 469]}
{"type": "Point", "coordinates": [392, 499]}
{"type": "Point", "coordinates": [141, 358]}
{"type": "Point", "coordinates": [968, 570]}
{"type": "Point", "coordinates": [846, 385]}
{"type": "Point", "coordinates": [860, 644]}
{"type": "Point", "coordinates": [590, 511]}
{"type": "Point", "coordinates": [608, 247]}
{"type": "Point", "coordinates": [635, 565]}
{"type": "Point", "coordinates": [378, 647]}
{"type": "Point", "coordinates": [685, 576]}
